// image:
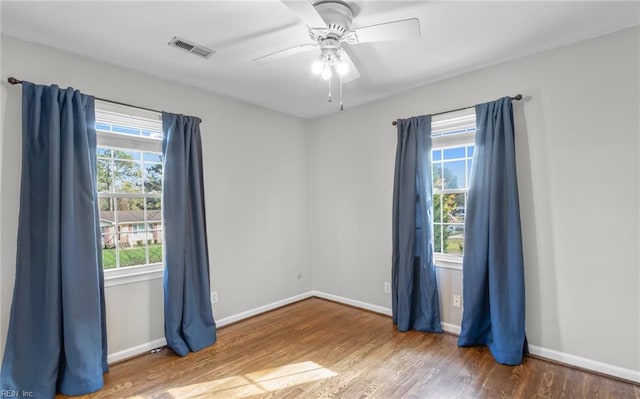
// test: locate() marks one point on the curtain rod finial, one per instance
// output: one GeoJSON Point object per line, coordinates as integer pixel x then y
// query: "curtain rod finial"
{"type": "Point", "coordinates": [394, 123]}
{"type": "Point", "coordinates": [13, 80]}
{"type": "Point", "coordinates": [518, 97]}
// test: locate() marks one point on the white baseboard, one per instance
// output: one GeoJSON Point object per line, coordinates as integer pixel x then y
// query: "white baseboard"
{"type": "Point", "coordinates": [451, 328]}
{"type": "Point", "coordinates": [550, 354]}
{"type": "Point", "coordinates": [136, 350]}
{"type": "Point", "coordinates": [265, 308]}
{"type": "Point", "coordinates": [584, 363]}
{"type": "Point", "coordinates": [147, 346]}
{"type": "Point", "coordinates": [352, 302]}
{"type": "Point", "coordinates": [572, 360]}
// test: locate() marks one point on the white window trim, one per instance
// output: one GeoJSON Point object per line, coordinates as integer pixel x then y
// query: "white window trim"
{"type": "Point", "coordinates": [124, 141]}
{"type": "Point", "coordinates": [124, 115]}
{"type": "Point", "coordinates": [447, 261]}
{"type": "Point", "coordinates": [132, 274]}
{"type": "Point", "coordinates": [456, 140]}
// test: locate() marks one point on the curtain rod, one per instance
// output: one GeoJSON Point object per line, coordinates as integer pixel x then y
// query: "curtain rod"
{"type": "Point", "coordinates": [516, 97]}
{"type": "Point", "coordinates": [15, 81]}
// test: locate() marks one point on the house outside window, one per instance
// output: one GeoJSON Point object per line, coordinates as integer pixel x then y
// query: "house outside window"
{"type": "Point", "coordinates": [129, 180]}
{"type": "Point", "coordinates": [453, 137]}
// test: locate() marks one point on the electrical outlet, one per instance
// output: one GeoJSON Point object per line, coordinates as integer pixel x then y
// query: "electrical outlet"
{"type": "Point", "coordinates": [214, 296]}
{"type": "Point", "coordinates": [387, 288]}
{"type": "Point", "coordinates": [456, 301]}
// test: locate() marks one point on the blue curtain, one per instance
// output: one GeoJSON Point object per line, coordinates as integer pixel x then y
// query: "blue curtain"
{"type": "Point", "coordinates": [188, 323]}
{"type": "Point", "coordinates": [415, 302]}
{"type": "Point", "coordinates": [57, 338]}
{"type": "Point", "coordinates": [493, 269]}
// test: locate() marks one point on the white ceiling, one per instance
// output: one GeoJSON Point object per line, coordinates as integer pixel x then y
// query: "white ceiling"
{"type": "Point", "coordinates": [457, 37]}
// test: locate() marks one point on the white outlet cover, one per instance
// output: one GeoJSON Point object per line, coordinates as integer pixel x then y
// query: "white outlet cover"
{"type": "Point", "coordinates": [387, 288]}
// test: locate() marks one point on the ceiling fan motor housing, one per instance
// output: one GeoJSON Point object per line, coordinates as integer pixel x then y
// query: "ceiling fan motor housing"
{"type": "Point", "coordinates": [338, 17]}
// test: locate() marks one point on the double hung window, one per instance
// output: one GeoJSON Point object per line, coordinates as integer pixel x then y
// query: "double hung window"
{"type": "Point", "coordinates": [453, 136]}
{"type": "Point", "coordinates": [129, 180]}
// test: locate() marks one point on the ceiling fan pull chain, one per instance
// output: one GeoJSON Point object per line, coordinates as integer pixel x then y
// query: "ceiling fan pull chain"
{"type": "Point", "coordinates": [341, 105]}
{"type": "Point", "coordinates": [329, 80]}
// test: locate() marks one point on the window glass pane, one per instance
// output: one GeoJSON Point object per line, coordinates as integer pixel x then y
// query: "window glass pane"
{"type": "Point", "coordinates": [155, 233]}
{"type": "Point", "coordinates": [133, 256]}
{"type": "Point", "coordinates": [154, 216]}
{"type": "Point", "coordinates": [469, 164]}
{"type": "Point", "coordinates": [470, 151]}
{"type": "Point", "coordinates": [108, 239]}
{"type": "Point", "coordinates": [447, 206]}
{"type": "Point", "coordinates": [138, 238]}
{"type": "Point", "coordinates": [152, 157]}
{"type": "Point", "coordinates": [436, 155]}
{"type": "Point", "coordinates": [453, 208]}
{"type": "Point", "coordinates": [437, 208]}
{"type": "Point", "coordinates": [105, 177]}
{"type": "Point", "coordinates": [107, 222]}
{"type": "Point", "coordinates": [437, 176]}
{"type": "Point", "coordinates": [131, 241]}
{"type": "Point", "coordinates": [153, 177]}
{"type": "Point", "coordinates": [127, 176]}
{"type": "Point", "coordinates": [437, 238]}
{"type": "Point", "coordinates": [453, 238]}
{"type": "Point", "coordinates": [127, 155]}
{"type": "Point", "coordinates": [103, 152]}
{"type": "Point", "coordinates": [454, 153]}
{"type": "Point", "coordinates": [106, 204]}
{"type": "Point", "coordinates": [154, 238]}
{"type": "Point", "coordinates": [108, 251]}
{"type": "Point", "coordinates": [154, 204]}
{"type": "Point", "coordinates": [454, 174]}
{"type": "Point", "coordinates": [130, 210]}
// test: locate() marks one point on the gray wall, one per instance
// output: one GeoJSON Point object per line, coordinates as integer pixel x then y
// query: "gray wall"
{"type": "Point", "coordinates": [578, 172]}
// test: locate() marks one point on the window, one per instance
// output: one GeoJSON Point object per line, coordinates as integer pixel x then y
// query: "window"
{"type": "Point", "coordinates": [453, 136]}
{"type": "Point", "coordinates": [129, 180]}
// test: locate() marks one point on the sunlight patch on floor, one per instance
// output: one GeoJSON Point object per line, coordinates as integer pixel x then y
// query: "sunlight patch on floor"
{"type": "Point", "coordinates": [255, 383]}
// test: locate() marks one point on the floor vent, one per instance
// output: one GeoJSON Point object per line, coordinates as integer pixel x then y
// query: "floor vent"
{"type": "Point", "coordinates": [191, 47]}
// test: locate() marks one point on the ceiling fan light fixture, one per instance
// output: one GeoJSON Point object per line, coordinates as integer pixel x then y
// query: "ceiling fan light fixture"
{"type": "Point", "coordinates": [342, 68]}
{"type": "Point", "coordinates": [317, 67]}
{"type": "Point", "coordinates": [326, 73]}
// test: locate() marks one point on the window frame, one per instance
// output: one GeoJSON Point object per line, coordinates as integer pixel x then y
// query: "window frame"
{"type": "Point", "coordinates": [124, 115]}
{"type": "Point", "coordinates": [440, 124]}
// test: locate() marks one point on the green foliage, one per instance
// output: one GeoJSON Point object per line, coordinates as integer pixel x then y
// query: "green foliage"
{"type": "Point", "coordinates": [131, 256]}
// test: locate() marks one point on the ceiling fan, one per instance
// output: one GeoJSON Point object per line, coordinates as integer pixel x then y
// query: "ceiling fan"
{"type": "Point", "coordinates": [329, 23]}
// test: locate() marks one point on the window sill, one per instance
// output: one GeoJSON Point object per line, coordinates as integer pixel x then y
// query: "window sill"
{"type": "Point", "coordinates": [132, 274]}
{"type": "Point", "coordinates": [448, 262]}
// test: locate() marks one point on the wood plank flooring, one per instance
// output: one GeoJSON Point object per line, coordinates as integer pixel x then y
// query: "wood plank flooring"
{"type": "Point", "coordinates": [320, 349]}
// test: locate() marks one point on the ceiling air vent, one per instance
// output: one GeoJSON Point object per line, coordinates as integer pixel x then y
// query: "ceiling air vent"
{"type": "Point", "coordinates": [191, 47]}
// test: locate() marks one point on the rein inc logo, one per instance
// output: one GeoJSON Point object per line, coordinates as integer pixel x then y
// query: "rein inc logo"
{"type": "Point", "coordinates": [15, 393]}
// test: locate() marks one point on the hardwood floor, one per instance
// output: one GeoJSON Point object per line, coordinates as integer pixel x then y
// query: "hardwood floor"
{"type": "Point", "coordinates": [320, 349]}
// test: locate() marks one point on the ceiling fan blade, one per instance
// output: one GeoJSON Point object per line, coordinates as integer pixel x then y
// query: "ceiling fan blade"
{"type": "Point", "coordinates": [306, 12]}
{"type": "Point", "coordinates": [352, 72]}
{"type": "Point", "coordinates": [284, 53]}
{"type": "Point", "coordinates": [396, 30]}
